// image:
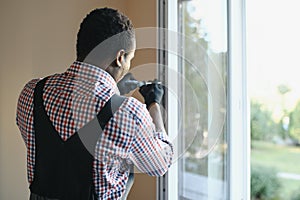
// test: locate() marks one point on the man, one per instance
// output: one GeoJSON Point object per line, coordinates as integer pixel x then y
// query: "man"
{"type": "Point", "coordinates": [75, 149]}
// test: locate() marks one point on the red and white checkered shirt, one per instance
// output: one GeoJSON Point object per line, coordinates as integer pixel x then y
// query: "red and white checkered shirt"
{"type": "Point", "coordinates": [74, 98]}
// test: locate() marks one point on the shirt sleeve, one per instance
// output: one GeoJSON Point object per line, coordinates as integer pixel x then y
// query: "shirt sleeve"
{"type": "Point", "coordinates": [24, 121]}
{"type": "Point", "coordinates": [151, 151]}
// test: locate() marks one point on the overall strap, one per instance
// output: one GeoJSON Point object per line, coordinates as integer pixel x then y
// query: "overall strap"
{"type": "Point", "coordinates": [90, 133]}
{"type": "Point", "coordinates": [38, 93]}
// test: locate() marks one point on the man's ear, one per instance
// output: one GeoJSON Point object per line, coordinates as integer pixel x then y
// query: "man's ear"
{"type": "Point", "coordinates": [120, 58]}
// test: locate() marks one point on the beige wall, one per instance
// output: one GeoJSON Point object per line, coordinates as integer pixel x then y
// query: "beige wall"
{"type": "Point", "coordinates": [38, 38]}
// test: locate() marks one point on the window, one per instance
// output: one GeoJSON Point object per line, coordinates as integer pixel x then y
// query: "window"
{"type": "Point", "coordinates": [206, 109]}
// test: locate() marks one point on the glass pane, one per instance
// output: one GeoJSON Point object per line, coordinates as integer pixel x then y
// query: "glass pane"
{"type": "Point", "coordinates": [203, 166]}
{"type": "Point", "coordinates": [275, 105]}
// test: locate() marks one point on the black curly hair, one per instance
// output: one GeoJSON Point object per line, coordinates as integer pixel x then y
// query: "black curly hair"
{"type": "Point", "coordinates": [99, 25]}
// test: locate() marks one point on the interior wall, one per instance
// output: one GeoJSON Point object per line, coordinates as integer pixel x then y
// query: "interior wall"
{"type": "Point", "coordinates": [37, 39]}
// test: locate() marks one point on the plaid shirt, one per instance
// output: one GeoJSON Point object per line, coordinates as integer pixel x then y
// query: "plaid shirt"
{"type": "Point", "coordinates": [75, 97]}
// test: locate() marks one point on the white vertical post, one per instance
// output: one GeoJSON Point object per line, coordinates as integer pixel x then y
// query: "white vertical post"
{"type": "Point", "coordinates": [172, 77]}
{"type": "Point", "coordinates": [239, 141]}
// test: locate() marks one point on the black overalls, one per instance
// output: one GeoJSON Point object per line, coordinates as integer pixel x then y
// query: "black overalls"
{"type": "Point", "coordinates": [63, 169]}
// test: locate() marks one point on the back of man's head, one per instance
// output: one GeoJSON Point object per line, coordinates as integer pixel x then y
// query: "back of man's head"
{"type": "Point", "coordinates": [102, 24]}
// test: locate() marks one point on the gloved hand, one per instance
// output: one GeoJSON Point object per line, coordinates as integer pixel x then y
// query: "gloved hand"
{"type": "Point", "coordinates": [126, 88]}
{"type": "Point", "coordinates": [152, 93]}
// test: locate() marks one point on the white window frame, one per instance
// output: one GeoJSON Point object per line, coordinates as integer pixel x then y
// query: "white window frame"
{"type": "Point", "coordinates": [238, 104]}
{"type": "Point", "coordinates": [239, 121]}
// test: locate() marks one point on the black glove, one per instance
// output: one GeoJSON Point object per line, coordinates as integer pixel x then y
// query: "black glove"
{"type": "Point", "coordinates": [152, 93]}
{"type": "Point", "coordinates": [126, 88]}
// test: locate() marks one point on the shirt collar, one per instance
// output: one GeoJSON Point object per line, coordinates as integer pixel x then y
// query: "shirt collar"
{"type": "Point", "coordinates": [92, 73]}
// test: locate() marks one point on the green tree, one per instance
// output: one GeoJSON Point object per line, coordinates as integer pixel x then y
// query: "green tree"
{"type": "Point", "coordinates": [283, 90]}
{"type": "Point", "coordinates": [262, 126]}
{"type": "Point", "coordinates": [294, 126]}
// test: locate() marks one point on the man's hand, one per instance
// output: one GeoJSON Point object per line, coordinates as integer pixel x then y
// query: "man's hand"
{"type": "Point", "coordinates": [152, 93]}
{"type": "Point", "coordinates": [125, 88]}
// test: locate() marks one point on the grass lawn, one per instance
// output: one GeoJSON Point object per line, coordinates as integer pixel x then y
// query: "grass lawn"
{"type": "Point", "coordinates": [288, 187]}
{"type": "Point", "coordinates": [282, 158]}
